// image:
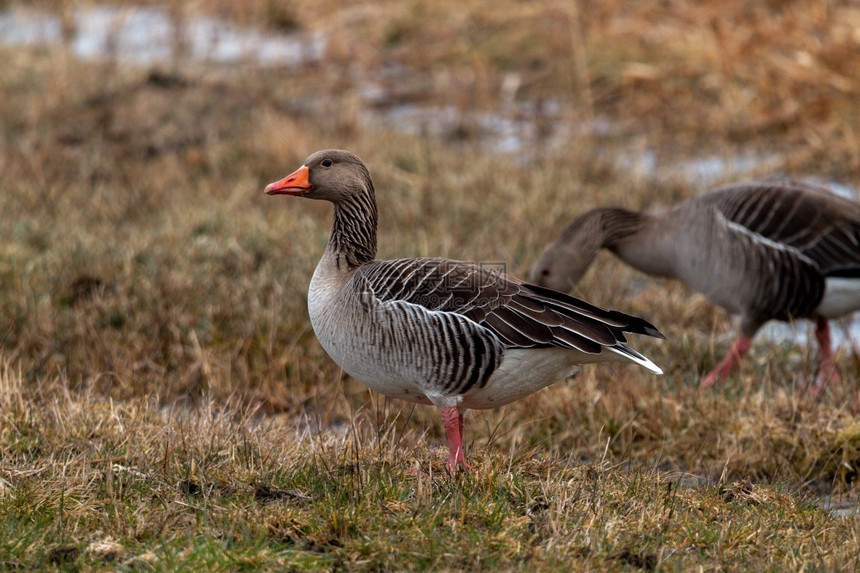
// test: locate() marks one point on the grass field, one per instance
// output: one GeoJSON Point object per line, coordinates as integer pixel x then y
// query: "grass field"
{"type": "Point", "coordinates": [165, 405]}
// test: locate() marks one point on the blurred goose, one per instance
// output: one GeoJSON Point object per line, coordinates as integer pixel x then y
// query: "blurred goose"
{"type": "Point", "coordinates": [765, 250]}
{"type": "Point", "coordinates": [436, 331]}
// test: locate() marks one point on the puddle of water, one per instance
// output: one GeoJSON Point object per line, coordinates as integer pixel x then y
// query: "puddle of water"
{"type": "Point", "coordinates": [138, 35]}
{"type": "Point", "coordinates": [511, 132]}
{"type": "Point", "coordinates": [705, 170]}
{"type": "Point", "coordinates": [148, 35]}
{"type": "Point", "coordinates": [843, 333]}
{"type": "Point", "coordinates": [27, 29]}
{"type": "Point", "coordinates": [840, 507]}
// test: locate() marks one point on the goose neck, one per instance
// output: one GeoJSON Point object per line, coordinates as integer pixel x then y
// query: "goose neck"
{"type": "Point", "coordinates": [353, 232]}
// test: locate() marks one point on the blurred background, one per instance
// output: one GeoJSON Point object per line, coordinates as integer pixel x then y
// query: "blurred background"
{"type": "Point", "coordinates": [139, 257]}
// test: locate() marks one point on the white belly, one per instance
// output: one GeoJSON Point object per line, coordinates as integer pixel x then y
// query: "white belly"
{"type": "Point", "coordinates": [841, 297]}
{"type": "Point", "coordinates": [526, 370]}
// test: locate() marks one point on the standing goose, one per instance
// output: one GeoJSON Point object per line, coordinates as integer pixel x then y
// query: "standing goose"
{"type": "Point", "coordinates": [765, 250]}
{"type": "Point", "coordinates": [436, 331]}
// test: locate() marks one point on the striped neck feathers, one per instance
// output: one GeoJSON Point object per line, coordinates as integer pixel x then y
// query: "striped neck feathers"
{"type": "Point", "coordinates": [604, 227]}
{"type": "Point", "coordinates": [353, 231]}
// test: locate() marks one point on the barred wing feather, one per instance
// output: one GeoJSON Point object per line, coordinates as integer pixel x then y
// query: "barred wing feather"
{"type": "Point", "coordinates": [521, 315]}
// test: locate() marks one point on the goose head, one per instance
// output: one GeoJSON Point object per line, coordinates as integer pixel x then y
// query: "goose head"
{"type": "Point", "coordinates": [561, 265]}
{"type": "Point", "coordinates": [563, 262]}
{"type": "Point", "coordinates": [332, 175]}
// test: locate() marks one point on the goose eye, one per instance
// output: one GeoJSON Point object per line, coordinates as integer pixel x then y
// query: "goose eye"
{"type": "Point", "coordinates": [545, 273]}
{"type": "Point", "coordinates": [326, 162]}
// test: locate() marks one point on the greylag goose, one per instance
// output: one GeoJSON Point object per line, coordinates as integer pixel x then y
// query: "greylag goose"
{"type": "Point", "coordinates": [764, 250]}
{"type": "Point", "coordinates": [436, 331]}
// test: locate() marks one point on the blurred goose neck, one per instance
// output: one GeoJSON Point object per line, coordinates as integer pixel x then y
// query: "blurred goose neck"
{"type": "Point", "coordinates": [611, 225]}
{"type": "Point", "coordinates": [644, 241]}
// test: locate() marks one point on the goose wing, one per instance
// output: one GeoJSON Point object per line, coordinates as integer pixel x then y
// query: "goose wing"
{"type": "Point", "coordinates": [518, 314]}
{"type": "Point", "coordinates": [808, 221]}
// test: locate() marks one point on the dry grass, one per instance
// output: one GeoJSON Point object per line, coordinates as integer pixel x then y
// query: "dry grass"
{"type": "Point", "coordinates": [89, 482]}
{"type": "Point", "coordinates": [164, 404]}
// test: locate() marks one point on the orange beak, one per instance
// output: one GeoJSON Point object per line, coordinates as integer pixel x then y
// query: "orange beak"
{"type": "Point", "coordinates": [296, 183]}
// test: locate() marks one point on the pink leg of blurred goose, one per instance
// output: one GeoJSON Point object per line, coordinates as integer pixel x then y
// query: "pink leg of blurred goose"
{"type": "Point", "coordinates": [733, 357]}
{"type": "Point", "coordinates": [827, 371]}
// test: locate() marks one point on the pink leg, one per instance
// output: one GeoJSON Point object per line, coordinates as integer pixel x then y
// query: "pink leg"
{"type": "Point", "coordinates": [452, 419]}
{"type": "Point", "coordinates": [827, 371]}
{"type": "Point", "coordinates": [736, 352]}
